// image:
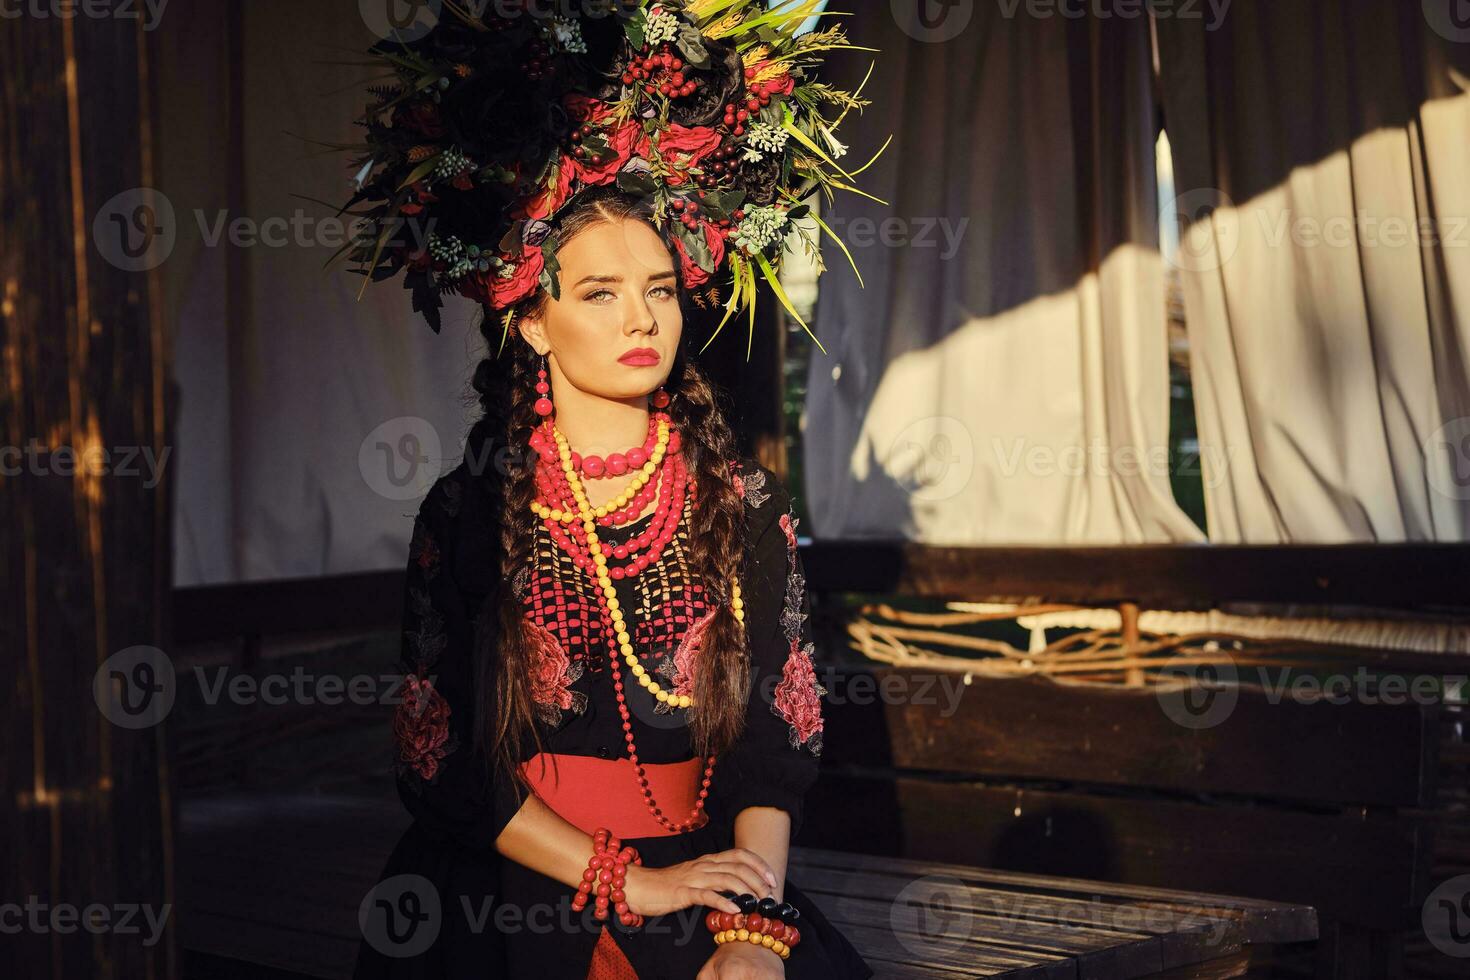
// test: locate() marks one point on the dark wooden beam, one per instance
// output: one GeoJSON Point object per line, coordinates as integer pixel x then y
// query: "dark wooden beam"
{"type": "Point", "coordinates": [1182, 576]}
{"type": "Point", "coordinates": [1403, 575]}
{"type": "Point", "coordinates": [85, 556]}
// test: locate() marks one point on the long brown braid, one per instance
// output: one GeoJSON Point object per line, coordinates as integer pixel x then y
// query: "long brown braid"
{"type": "Point", "coordinates": [505, 382]}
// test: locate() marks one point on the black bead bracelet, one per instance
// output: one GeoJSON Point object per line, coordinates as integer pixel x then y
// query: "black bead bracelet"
{"type": "Point", "coordinates": [766, 907]}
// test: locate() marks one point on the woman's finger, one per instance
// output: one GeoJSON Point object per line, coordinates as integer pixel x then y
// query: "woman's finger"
{"type": "Point", "coordinates": [753, 880]}
{"type": "Point", "coordinates": [723, 881]}
{"type": "Point", "coordinates": [747, 879]}
{"type": "Point", "coordinates": [755, 861]}
{"type": "Point", "coordinates": [713, 898]}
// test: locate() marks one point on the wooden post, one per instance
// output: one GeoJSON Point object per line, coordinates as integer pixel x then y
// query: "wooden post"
{"type": "Point", "coordinates": [85, 548]}
{"type": "Point", "coordinates": [1129, 635]}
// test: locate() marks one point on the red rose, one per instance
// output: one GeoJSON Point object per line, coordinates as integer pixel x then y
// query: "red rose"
{"type": "Point", "coordinates": [781, 84]}
{"type": "Point", "coordinates": [421, 196]}
{"type": "Point", "coordinates": [420, 116]}
{"type": "Point", "coordinates": [583, 108]}
{"type": "Point", "coordinates": [693, 275]}
{"type": "Point", "coordinates": [421, 726]}
{"type": "Point", "coordinates": [623, 143]}
{"type": "Point", "coordinates": [545, 204]}
{"type": "Point", "coordinates": [682, 147]}
{"type": "Point", "coordinates": [522, 281]}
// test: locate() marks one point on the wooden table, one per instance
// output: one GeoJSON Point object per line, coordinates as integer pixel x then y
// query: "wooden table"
{"type": "Point", "coordinates": [275, 881]}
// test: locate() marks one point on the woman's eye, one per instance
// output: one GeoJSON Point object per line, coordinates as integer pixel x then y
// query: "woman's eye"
{"type": "Point", "coordinates": [665, 290]}
{"type": "Point", "coordinates": [600, 292]}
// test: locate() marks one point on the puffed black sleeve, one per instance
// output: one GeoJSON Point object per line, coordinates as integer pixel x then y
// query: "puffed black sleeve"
{"type": "Point", "coordinates": [443, 786]}
{"type": "Point", "coordinates": [775, 761]}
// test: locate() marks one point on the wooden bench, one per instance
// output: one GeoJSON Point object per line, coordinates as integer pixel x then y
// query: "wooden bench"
{"type": "Point", "coordinates": [269, 887]}
{"type": "Point", "coordinates": [1326, 805]}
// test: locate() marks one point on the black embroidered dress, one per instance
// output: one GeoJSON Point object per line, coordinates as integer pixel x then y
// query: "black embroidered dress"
{"type": "Point", "coordinates": [497, 918]}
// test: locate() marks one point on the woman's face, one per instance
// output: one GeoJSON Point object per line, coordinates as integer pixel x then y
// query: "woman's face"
{"type": "Point", "coordinates": [618, 295]}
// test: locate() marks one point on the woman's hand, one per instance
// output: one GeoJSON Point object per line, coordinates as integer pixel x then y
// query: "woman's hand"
{"type": "Point", "coordinates": [658, 891]}
{"type": "Point", "coordinates": [743, 961]}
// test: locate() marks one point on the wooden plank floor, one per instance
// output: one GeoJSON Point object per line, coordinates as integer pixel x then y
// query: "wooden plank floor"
{"type": "Point", "coordinates": [276, 880]}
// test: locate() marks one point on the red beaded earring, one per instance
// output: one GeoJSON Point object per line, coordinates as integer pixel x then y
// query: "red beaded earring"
{"type": "Point", "coordinates": [543, 388]}
{"type": "Point", "coordinates": [660, 399]}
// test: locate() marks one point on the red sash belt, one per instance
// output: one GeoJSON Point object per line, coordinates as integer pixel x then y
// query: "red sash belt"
{"type": "Point", "coordinates": [589, 792]}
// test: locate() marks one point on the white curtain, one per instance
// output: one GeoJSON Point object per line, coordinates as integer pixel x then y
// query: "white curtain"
{"type": "Point", "coordinates": [1328, 293]}
{"type": "Point", "coordinates": [285, 378]}
{"type": "Point", "coordinates": [1003, 376]}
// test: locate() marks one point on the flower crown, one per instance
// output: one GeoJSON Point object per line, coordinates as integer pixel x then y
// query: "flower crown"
{"type": "Point", "coordinates": [496, 119]}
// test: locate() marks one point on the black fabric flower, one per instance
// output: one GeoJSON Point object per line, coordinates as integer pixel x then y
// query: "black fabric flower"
{"type": "Point", "coordinates": [722, 83]}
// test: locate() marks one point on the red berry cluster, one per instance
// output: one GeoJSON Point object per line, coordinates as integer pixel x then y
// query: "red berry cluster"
{"type": "Point", "coordinates": [718, 165]}
{"type": "Point", "coordinates": [758, 97]}
{"type": "Point", "coordinates": [688, 214]}
{"type": "Point", "coordinates": [538, 63]}
{"type": "Point", "coordinates": [578, 150]}
{"type": "Point", "coordinates": [661, 72]}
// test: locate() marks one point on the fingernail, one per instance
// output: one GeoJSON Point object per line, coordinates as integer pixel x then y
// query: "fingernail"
{"type": "Point", "coordinates": [771, 878]}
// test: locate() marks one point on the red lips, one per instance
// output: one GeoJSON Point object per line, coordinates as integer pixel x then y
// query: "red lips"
{"type": "Point", "coordinates": [640, 356]}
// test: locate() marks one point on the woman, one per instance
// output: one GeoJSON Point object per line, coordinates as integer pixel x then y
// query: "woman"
{"type": "Point", "coordinates": [526, 725]}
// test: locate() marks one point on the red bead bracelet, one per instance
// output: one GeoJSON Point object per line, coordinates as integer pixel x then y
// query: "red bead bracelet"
{"type": "Point", "coordinates": [606, 873]}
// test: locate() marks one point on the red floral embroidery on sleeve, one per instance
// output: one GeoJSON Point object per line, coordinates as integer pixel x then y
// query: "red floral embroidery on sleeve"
{"type": "Point", "coordinates": [421, 717]}
{"type": "Point", "coordinates": [421, 725]}
{"type": "Point", "coordinates": [798, 696]}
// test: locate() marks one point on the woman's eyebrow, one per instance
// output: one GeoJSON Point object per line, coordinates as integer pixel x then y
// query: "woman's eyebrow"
{"type": "Point", "coordinates": [657, 275]}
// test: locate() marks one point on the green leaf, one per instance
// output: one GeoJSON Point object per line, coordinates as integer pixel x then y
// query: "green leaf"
{"type": "Point", "coordinates": [691, 45]}
{"type": "Point", "coordinates": [419, 172]}
{"type": "Point", "coordinates": [634, 27]}
{"type": "Point", "coordinates": [775, 281]}
{"type": "Point", "coordinates": [510, 243]}
{"type": "Point", "coordinates": [697, 246]}
{"type": "Point", "coordinates": [551, 274]}
{"type": "Point", "coordinates": [636, 183]}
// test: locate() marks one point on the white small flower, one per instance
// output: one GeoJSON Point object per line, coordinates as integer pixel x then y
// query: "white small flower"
{"type": "Point", "coordinates": [763, 138]}
{"type": "Point", "coordinates": [362, 174]}
{"type": "Point", "coordinates": [567, 34]}
{"type": "Point", "coordinates": [760, 227]}
{"type": "Point", "coordinates": [452, 163]}
{"type": "Point", "coordinates": [835, 148]}
{"type": "Point", "coordinates": [662, 26]}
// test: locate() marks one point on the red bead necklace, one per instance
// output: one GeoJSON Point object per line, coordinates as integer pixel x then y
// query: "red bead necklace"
{"type": "Point", "coordinates": [618, 463]}
{"type": "Point", "coordinates": [556, 493]}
